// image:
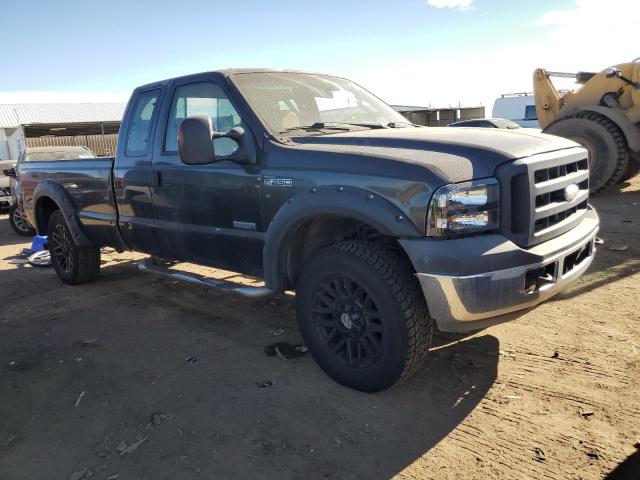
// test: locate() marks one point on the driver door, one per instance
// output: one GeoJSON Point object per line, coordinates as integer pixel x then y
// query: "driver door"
{"type": "Point", "coordinates": [207, 214]}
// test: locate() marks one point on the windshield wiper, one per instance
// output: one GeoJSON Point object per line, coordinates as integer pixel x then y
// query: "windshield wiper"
{"type": "Point", "coordinates": [333, 126]}
{"type": "Point", "coordinates": [315, 126]}
{"type": "Point", "coordinates": [371, 125]}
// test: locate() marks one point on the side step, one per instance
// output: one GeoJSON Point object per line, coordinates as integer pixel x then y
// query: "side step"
{"type": "Point", "coordinates": [253, 292]}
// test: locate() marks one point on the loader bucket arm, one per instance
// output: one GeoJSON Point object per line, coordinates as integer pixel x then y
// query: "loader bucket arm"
{"type": "Point", "coordinates": [547, 98]}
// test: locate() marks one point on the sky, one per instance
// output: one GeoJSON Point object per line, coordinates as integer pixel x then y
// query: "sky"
{"type": "Point", "coordinates": [435, 53]}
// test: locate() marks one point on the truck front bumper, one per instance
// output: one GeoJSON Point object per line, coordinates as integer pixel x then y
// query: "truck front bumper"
{"type": "Point", "coordinates": [474, 282]}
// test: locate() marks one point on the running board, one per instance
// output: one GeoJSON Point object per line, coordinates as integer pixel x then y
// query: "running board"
{"type": "Point", "coordinates": [243, 290]}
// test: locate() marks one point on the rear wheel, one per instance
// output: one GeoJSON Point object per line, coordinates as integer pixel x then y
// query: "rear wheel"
{"type": "Point", "coordinates": [19, 222]}
{"type": "Point", "coordinates": [73, 264]}
{"type": "Point", "coordinates": [608, 153]}
{"type": "Point", "coordinates": [363, 315]}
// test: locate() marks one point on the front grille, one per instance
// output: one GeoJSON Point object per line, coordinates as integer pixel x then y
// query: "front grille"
{"type": "Point", "coordinates": [552, 220]}
{"type": "Point", "coordinates": [557, 196]}
{"type": "Point", "coordinates": [544, 195]}
{"type": "Point", "coordinates": [551, 173]}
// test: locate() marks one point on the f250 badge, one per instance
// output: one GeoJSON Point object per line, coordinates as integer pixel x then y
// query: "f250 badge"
{"type": "Point", "coordinates": [278, 182]}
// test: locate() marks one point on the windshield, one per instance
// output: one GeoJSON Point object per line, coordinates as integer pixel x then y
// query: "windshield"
{"type": "Point", "coordinates": [298, 103]}
{"type": "Point", "coordinates": [66, 154]}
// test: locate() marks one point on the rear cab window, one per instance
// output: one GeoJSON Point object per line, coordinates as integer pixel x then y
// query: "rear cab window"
{"type": "Point", "coordinates": [140, 123]}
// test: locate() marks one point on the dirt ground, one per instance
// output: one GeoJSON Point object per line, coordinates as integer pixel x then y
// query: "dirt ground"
{"type": "Point", "coordinates": [88, 371]}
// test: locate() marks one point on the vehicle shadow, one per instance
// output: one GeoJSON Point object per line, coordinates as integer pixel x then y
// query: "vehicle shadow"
{"type": "Point", "coordinates": [629, 469]}
{"type": "Point", "coordinates": [346, 433]}
{"type": "Point", "coordinates": [297, 424]}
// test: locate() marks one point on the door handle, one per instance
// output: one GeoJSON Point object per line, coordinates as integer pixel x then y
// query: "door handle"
{"type": "Point", "coordinates": [156, 180]}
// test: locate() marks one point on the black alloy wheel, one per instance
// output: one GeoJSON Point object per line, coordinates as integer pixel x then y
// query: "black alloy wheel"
{"type": "Point", "coordinates": [363, 315]}
{"type": "Point", "coordinates": [348, 320]}
{"type": "Point", "coordinates": [60, 245]}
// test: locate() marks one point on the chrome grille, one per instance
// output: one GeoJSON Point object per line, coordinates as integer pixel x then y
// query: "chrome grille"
{"type": "Point", "coordinates": [551, 205]}
{"type": "Point", "coordinates": [552, 220]}
{"type": "Point", "coordinates": [537, 205]}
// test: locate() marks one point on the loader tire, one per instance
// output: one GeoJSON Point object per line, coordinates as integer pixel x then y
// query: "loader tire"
{"type": "Point", "coordinates": [608, 151]}
{"type": "Point", "coordinates": [363, 315]}
{"type": "Point", "coordinates": [632, 170]}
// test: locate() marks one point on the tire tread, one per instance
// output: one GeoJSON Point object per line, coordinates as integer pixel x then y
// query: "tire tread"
{"type": "Point", "coordinates": [400, 277]}
{"type": "Point", "coordinates": [622, 156]}
{"type": "Point", "coordinates": [87, 261]}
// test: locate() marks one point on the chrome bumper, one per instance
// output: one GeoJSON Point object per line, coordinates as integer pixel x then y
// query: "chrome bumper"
{"type": "Point", "coordinates": [6, 195]}
{"type": "Point", "coordinates": [471, 302]}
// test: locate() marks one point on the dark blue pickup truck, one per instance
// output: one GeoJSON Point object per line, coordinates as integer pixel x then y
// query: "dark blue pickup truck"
{"type": "Point", "coordinates": [383, 228]}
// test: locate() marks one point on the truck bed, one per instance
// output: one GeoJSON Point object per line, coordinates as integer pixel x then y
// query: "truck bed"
{"type": "Point", "coordinates": [89, 183]}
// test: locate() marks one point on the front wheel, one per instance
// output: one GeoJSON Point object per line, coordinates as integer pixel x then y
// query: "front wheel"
{"type": "Point", "coordinates": [363, 315]}
{"type": "Point", "coordinates": [73, 264]}
{"type": "Point", "coordinates": [19, 222]}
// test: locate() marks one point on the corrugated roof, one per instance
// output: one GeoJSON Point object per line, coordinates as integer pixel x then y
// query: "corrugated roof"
{"type": "Point", "coordinates": [14, 114]}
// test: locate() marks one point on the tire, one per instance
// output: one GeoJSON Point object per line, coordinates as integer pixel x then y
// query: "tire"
{"type": "Point", "coordinates": [608, 152]}
{"type": "Point", "coordinates": [19, 222]}
{"type": "Point", "coordinates": [363, 315]}
{"type": "Point", "coordinates": [73, 264]}
{"type": "Point", "coordinates": [632, 170]}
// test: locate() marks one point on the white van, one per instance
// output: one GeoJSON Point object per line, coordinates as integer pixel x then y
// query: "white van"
{"type": "Point", "coordinates": [518, 107]}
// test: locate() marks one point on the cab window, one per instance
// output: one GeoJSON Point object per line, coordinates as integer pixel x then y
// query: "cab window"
{"type": "Point", "coordinates": [202, 99]}
{"type": "Point", "coordinates": [139, 133]}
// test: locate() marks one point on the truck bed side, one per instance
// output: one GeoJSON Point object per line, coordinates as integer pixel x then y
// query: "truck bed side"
{"type": "Point", "coordinates": [89, 186]}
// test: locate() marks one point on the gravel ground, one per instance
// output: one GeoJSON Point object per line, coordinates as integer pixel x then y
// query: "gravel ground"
{"type": "Point", "coordinates": [138, 377]}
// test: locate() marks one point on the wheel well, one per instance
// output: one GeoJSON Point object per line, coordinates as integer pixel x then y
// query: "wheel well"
{"type": "Point", "coordinates": [44, 208]}
{"type": "Point", "coordinates": [313, 235]}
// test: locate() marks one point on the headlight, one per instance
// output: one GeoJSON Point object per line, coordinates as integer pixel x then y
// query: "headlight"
{"type": "Point", "coordinates": [464, 208]}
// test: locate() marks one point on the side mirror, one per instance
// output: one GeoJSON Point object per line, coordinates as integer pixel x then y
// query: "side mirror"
{"type": "Point", "coordinates": [9, 172]}
{"type": "Point", "coordinates": [196, 137]}
{"type": "Point", "coordinates": [195, 144]}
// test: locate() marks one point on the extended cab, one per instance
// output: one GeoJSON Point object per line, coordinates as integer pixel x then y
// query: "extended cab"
{"type": "Point", "coordinates": [311, 183]}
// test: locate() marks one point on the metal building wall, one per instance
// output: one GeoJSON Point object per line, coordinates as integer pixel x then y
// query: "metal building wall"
{"type": "Point", "coordinates": [102, 146]}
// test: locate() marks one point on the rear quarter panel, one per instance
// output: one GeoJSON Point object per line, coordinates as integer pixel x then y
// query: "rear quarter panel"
{"type": "Point", "coordinates": [89, 184]}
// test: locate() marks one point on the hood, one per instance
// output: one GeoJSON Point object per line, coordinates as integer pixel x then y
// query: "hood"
{"type": "Point", "coordinates": [459, 154]}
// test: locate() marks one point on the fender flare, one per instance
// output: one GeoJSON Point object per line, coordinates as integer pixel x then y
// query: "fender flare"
{"type": "Point", "coordinates": [55, 192]}
{"type": "Point", "coordinates": [360, 205]}
{"type": "Point", "coordinates": [630, 131]}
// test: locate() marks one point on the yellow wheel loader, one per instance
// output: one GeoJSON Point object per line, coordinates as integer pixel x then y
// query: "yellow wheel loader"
{"type": "Point", "coordinates": [603, 115]}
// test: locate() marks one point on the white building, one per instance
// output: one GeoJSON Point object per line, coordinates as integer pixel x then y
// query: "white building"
{"type": "Point", "coordinates": [21, 121]}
